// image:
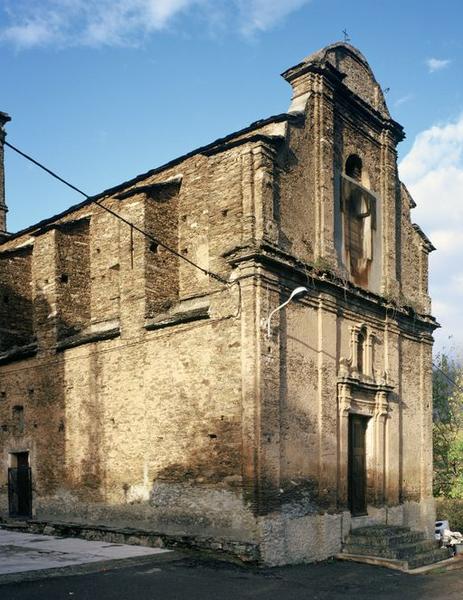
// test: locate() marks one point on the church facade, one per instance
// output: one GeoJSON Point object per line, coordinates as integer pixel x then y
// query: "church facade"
{"type": "Point", "coordinates": [139, 390]}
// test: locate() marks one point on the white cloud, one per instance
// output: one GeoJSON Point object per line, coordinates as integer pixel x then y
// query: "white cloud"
{"type": "Point", "coordinates": [32, 33]}
{"type": "Point", "coordinates": [436, 64]}
{"type": "Point", "coordinates": [260, 15]}
{"type": "Point", "coordinates": [433, 172]}
{"type": "Point", "coordinates": [89, 22]}
{"type": "Point", "coordinates": [403, 99]}
{"type": "Point", "coordinates": [127, 22]}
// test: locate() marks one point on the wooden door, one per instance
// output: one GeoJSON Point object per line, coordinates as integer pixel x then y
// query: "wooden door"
{"type": "Point", "coordinates": [357, 469]}
{"type": "Point", "coordinates": [20, 487]}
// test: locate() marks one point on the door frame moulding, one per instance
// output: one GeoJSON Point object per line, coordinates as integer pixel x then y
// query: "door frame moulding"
{"type": "Point", "coordinates": [369, 399]}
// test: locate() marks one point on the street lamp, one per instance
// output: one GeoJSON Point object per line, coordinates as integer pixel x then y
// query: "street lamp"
{"type": "Point", "coordinates": [294, 293]}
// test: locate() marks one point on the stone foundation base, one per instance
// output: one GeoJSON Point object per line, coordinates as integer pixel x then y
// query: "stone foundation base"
{"type": "Point", "coordinates": [243, 551]}
{"type": "Point", "coordinates": [273, 540]}
{"type": "Point", "coordinates": [311, 538]}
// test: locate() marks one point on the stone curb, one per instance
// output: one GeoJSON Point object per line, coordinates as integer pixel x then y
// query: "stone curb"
{"type": "Point", "coordinates": [244, 552]}
{"type": "Point", "coordinates": [449, 564]}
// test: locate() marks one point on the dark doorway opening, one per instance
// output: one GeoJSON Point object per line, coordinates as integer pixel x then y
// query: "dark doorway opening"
{"type": "Point", "coordinates": [357, 471]}
{"type": "Point", "coordinates": [20, 486]}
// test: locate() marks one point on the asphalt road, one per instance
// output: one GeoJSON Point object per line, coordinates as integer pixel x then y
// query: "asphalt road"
{"type": "Point", "coordinates": [178, 577]}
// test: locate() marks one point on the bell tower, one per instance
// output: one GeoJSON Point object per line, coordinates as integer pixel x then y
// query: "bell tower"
{"type": "Point", "coordinates": [4, 118]}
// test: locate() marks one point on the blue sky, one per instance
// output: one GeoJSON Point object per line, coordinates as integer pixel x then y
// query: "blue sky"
{"type": "Point", "coordinates": [101, 90]}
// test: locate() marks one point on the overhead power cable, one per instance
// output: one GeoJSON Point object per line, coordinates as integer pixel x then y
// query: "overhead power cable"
{"type": "Point", "coordinates": [118, 216]}
{"type": "Point", "coordinates": [458, 387]}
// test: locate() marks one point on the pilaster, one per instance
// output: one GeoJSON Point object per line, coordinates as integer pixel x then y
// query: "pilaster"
{"type": "Point", "coordinates": [44, 294]}
{"type": "Point", "coordinates": [392, 360]}
{"type": "Point", "coordinates": [251, 385]}
{"type": "Point", "coordinates": [327, 410]}
{"type": "Point", "coordinates": [323, 119]}
{"type": "Point", "coordinates": [133, 254]}
{"type": "Point", "coordinates": [426, 416]}
{"type": "Point", "coordinates": [344, 406]}
{"type": "Point", "coordinates": [381, 412]}
{"type": "Point", "coordinates": [390, 214]}
{"type": "Point", "coordinates": [258, 189]}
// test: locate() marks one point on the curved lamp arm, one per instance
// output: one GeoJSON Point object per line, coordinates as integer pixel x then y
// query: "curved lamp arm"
{"type": "Point", "coordinates": [295, 292]}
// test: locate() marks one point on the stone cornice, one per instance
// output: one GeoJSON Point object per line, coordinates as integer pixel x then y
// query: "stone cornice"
{"type": "Point", "coordinates": [18, 353]}
{"type": "Point", "coordinates": [281, 262]}
{"type": "Point", "coordinates": [152, 190]}
{"type": "Point", "coordinates": [271, 141]}
{"type": "Point", "coordinates": [427, 244]}
{"type": "Point", "coordinates": [120, 188]}
{"type": "Point", "coordinates": [335, 79]}
{"type": "Point", "coordinates": [368, 386]}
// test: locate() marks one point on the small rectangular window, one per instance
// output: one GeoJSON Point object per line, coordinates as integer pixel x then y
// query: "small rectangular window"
{"type": "Point", "coordinates": [18, 418]}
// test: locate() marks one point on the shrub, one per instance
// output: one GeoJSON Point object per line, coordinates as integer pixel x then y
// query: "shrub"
{"type": "Point", "coordinates": [450, 509]}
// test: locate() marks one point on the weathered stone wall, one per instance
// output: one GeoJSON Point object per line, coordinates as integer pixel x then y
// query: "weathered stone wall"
{"type": "Point", "coordinates": [105, 245]}
{"type": "Point", "coordinates": [296, 194]}
{"type": "Point", "coordinates": [145, 427]}
{"type": "Point", "coordinates": [73, 273]}
{"type": "Point", "coordinates": [414, 250]}
{"type": "Point", "coordinates": [162, 269]}
{"type": "Point", "coordinates": [15, 299]}
{"type": "Point", "coordinates": [311, 343]}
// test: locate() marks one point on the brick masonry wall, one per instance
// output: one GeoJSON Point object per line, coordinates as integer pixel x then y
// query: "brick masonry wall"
{"type": "Point", "coordinates": [148, 424]}
{"type": "Point", "coordinates": [15, 299]}
{"type": "Point", "coordinates": [73, 278]}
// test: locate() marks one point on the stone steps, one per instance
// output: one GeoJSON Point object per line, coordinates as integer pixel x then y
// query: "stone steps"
{"type": "Point", "coordinates": [427, 558]}
{"type": "Point", "coordinates": [398, 546]}
{"type": "Point", "coordinates": [389, 542]}
{"type": "Point", "coordinates": [399, 552]}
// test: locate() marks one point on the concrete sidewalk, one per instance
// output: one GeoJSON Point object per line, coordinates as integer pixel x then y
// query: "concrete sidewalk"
{"type": "Point", "coordinates": [25, 552]}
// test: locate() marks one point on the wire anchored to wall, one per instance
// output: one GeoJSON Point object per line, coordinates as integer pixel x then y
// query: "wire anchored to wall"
{"type": "Point", "coordinates": [118, 216]}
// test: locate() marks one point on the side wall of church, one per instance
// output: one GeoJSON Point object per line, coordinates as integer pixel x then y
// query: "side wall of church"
{"type": "Point", "coordinates": [133, 401]}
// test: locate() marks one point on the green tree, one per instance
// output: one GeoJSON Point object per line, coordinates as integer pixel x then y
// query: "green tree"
{"type": "Point", "coordinates": [448, 427]}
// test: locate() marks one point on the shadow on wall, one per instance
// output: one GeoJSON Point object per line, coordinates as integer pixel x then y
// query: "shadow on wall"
{"type": "Point", "coordinates": [300, 430]}
{"type": "Point", "coordinates": [214, 458]}
{"type": "Point", "coordinates": [32, 402]}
